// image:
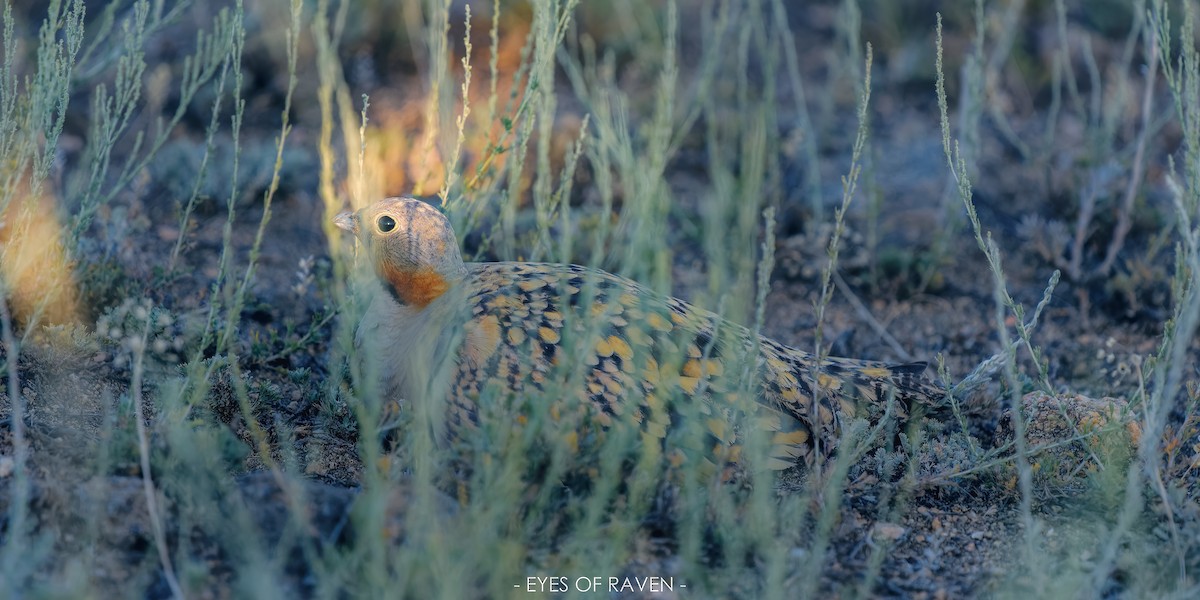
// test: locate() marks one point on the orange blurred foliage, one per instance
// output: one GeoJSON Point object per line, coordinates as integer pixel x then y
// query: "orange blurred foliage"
{"type": "Point", "coordinates": [403, 152]}
{"type": "Point", "coordinates": [33, 262]}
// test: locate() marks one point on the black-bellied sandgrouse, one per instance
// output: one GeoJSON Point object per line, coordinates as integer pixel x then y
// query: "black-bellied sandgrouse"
{"type": "Point", "coordinates": [524, 328]}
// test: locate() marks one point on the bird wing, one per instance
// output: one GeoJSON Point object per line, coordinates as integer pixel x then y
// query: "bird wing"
{"type": "Point", "coordinates": [651, 360]}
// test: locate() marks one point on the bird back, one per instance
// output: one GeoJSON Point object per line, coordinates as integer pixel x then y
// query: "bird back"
{"type": "Point", "coordinates": [609, 351]}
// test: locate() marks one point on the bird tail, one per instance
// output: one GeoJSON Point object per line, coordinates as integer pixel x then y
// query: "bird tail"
{"type": "Point", "coordinates": [910, 383]}
{"type": "Point", "coordinates": [876, 381]}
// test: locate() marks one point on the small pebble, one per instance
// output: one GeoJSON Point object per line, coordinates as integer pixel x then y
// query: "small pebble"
{"type": "Point", "coordinates": [889, 531]}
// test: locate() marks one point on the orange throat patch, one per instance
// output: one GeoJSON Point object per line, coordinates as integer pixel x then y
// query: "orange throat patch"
{"type": "Point", "coordinates": [413, 288]}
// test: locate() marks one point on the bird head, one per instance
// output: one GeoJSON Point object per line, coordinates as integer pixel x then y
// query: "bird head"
{"type": "Point", "coordinates": [411, 246]}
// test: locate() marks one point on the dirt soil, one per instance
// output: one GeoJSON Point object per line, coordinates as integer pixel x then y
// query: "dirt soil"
{"type": "Point", "coordinates": [957, 537]}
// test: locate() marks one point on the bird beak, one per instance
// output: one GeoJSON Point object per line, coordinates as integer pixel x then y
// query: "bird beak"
{"type": "Point", "coordinates": [347, 221]}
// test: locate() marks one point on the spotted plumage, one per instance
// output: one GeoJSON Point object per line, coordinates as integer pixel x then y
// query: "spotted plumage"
{"type": "Point", "coordinates": [606, 350]}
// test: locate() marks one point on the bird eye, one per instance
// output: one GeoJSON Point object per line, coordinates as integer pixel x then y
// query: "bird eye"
{"type": "Point", "coordinates": [386, 223]}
